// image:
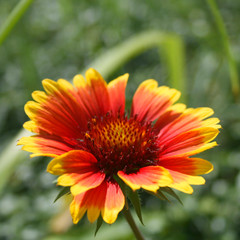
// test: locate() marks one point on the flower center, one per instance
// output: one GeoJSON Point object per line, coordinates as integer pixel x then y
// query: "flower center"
{"type": "Point", "coordinates": [120, 143]}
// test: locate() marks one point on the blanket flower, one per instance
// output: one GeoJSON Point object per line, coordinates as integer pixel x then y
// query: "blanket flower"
{"type": "Point", "coordinates": [93, 143]}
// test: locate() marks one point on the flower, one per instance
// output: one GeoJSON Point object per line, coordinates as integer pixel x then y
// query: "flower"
{"type": "Point", "coordinates": [94, 144]}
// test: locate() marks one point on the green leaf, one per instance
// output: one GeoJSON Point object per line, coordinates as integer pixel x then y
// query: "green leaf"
{"type": "Point", "coordinates": [121, 184]}
{"type": "Point", "coordinates": [133, 197]}
{"type": "Point", "coordinates": [135, 200]}
{"type": "Point", "coordinates": [171, 192]}
{"type": "Point", "coordinates": [99, 224]}
{"type": "Point", "coordinates": [159, 195]}
{"type": "Point", "coordinates": [63, 192]}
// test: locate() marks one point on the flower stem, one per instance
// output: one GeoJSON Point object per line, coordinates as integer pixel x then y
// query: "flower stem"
{"type": "Point", "coordinates": [132, 224]}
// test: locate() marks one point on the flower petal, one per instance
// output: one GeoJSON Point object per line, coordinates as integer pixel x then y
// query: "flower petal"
{"type": "Point", "coordinates": [107, 198]}
{"type": "Point", "coordinates": [189, 166]}
{"type": "Point", "coordinates": [188, 143]}
{"type": "Point", "coordinates": [45, 145]}
{"type": "Point", "coordinates": [182, 181]}
{"type": "Point", "coordinates": [189, 120]}
{"type": "Point", "coordinates": [99, 93]}
{"type": "Point", "coordinates": [39, 96]}
{"type": "Point", "coordinates": [79, 169]}
{"type": "Point", "coordinates": [92, 93]}
{"type": "Point", "coordinates": [31, 126]}
{"type": "Point", "coordinates": [149, 178]}
{"type": "Point", "coordinates": [150, 101]}
{"type": "Point", "coordinates": [114, 202]}
{"type": "Point", "coordinates": [58, 112]}
{"type": "Point", "coordinates": [185, 171]}
{"type": "Point", "coordinates": [170, 115]}
{"type": "Point", "coordinates": [116, 90]}
{"type": "Point", "coordinates": [31, 109]}
{"type": "Point", "coordinates": [84, 96]}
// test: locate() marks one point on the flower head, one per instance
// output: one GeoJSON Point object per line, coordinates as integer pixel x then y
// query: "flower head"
{"type": "Point", "coordinates": [94, 143]}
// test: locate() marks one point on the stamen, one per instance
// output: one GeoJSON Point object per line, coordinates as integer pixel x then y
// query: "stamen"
{"type": "Point", "coordinates": [120, 143]}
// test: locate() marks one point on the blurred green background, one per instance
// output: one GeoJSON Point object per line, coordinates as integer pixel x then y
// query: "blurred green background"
{"type": "Point", "coordinates": [185, 49]}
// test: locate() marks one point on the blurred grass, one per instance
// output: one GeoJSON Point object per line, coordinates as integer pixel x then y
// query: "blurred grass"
{"type": "Point", "coordinates": [13, 18]}
{"type": "Point", "coordinates": [226, 45]}
{"type": "Point", "coordinates": [57, 39]}
{"type": "Point", "coordinates": [10, 158]}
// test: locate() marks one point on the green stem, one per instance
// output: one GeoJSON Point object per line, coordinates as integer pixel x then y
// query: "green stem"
{"type": "Point", "coordinates": [13, 18]}
{"type": "Point", "coordinates": [127, 214]}
{"type": "Point", "coordinates": [226, 45]}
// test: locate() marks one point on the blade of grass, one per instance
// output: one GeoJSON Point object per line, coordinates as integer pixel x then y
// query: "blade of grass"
{"type": "Point", "coordinates": [174, 58]}
{"type": "Point", "coordinates": [10, 158]}
{"type": "Point", "coordinates": [226, 45]}
{"type": "Point", "coordinates": [170, 45]}
{"type": "Point", "coordinates": [13, 18]}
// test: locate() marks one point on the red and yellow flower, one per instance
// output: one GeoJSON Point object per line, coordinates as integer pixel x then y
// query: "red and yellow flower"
{"type": "Point", "coordinates": [85, 129]}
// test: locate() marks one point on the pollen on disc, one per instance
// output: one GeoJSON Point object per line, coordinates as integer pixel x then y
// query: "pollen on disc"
{"type": "Point", "coordinates": [121, 144]}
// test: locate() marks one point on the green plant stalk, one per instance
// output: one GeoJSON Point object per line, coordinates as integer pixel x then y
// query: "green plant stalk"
{"type": "Point", "coordinates": [128, 216]}
{"type": "Point", "coordinates": [11, 157]}
{"type": "Point", "coordinates": [13, 18]}
{"type": "Point", "coordinates": [172, 48]}
{"type": "Point", "coordinates": [170, 45]}
{"type": "Point", "coordinates": [225, 41]}
{"type": "Point", "coordinates": [106, 65]}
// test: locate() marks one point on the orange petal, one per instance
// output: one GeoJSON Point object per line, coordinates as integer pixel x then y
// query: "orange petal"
{"type": "Point", "coordinates": [191, 150]}
{"type": "Point", "coordinates": [189, 120]}
{"type": "Point", "coordinates": [79, 169]}
{"type": "Point", "coordinates": [182, 181]}
{"type": "Point", "coordinates": [84, 96]}
{"type": "Point", "coordinates": [76, 161]}
{"type": "Point", "coordinates": [44, 145]}
{"type": "Point", "coordinates": [107, 198]}
{"type": "Point", "coordinates": [31, 126]}
{"type": "Point", "coordinates": [92, 94]}
{"type": "Point", "coordinates": [98, 90]}
{"type": "Point", "coordinates": [63, 113]}
{"type": "Point", "coordinates": [39, 96]}
{"type": "Point", "coordinates": [58, 112]}
{"type": "Point", "coordinates": [31, 109]}
{"type": "Point", "coordinates": [170, 115]}
{"type": "Point", "coordinates": [188, 143]}
{"type": "Point", "coordinates": [189, 166]}
{"type": "Point", "coordinates": [114, 203]}
{"type": "Point", "coordinates": [50, 86]}
{"type": "Point", "coordinates": [150, 101]}
{"type": "Point", "coordinates": [149, 178]}
{"type": "Point", "coordinates": [79, 81]}
{"type": "Point", "coordinates": [81, 182]}
{"type": "Point", "coordinates": [116, 90]}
